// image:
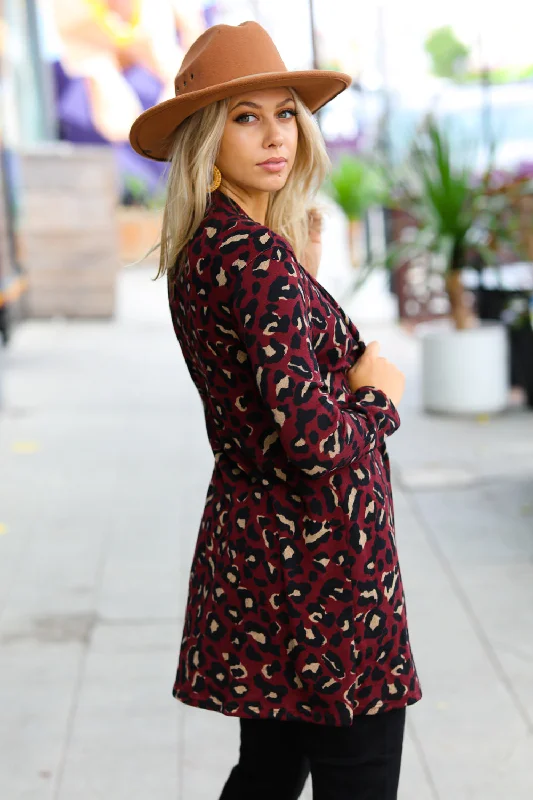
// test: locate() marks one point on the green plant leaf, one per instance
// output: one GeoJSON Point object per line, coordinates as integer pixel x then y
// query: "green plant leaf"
{"type": "Point", "coordinates": [356, 185]}
{"type": "Point", "coordinates": [443, 197]}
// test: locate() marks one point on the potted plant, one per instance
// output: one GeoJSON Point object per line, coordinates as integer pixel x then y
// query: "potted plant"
{"type": "Point", "coordinates": [461, 223]}
{"type": "Point", "coordinates": [356, 185]}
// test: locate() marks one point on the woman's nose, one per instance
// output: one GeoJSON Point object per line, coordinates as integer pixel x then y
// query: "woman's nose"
{"type": "Point", "coordinates": [274, 135]}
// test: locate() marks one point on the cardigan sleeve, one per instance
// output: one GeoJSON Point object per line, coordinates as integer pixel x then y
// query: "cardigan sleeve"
{"type": "Point", "coordinates": [270, 310]}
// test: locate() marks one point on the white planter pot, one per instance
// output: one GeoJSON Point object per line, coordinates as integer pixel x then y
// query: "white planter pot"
{"type": "Point", "coordinates": [467, 371]}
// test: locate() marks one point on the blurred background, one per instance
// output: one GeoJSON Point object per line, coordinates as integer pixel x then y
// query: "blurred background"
{"type": "Point", "coordinates": [104, 462]}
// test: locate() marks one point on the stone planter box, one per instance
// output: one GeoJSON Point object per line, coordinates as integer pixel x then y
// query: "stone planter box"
{"type": "Point", "coordinates": [139, 229]}
{"type": "Point", "coordinates": [68, 229]}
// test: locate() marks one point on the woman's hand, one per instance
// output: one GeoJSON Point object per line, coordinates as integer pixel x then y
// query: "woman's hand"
{"type": "Point", "coordinates": [373, 370]}
{"type": "Point", "coordinates": [313, 251]}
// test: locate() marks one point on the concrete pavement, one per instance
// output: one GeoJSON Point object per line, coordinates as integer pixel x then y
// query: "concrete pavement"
{"type": "Point", "coordinates": [105, 463]}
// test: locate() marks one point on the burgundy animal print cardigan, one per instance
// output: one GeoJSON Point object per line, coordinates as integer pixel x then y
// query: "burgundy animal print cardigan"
{"type": "Point", "coordinates": [295, 606]}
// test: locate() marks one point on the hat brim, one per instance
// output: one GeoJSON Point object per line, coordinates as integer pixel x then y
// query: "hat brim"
{"type": "Point", "coordinates": [152, 132]}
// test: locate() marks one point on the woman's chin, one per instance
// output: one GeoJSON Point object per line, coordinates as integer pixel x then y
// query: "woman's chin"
{"type": "Point", "coordinates": [272, 183]}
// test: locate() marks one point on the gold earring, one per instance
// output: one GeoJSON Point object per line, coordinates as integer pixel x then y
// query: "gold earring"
{"type": "Point", "coordinates": [217, 178]}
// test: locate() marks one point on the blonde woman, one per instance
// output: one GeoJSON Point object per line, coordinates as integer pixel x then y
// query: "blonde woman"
{"type": "Point", "coordinates": [295, 620]}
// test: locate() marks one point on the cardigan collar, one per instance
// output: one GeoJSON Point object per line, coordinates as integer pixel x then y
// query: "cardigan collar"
{"type": "Point", "coordinates": [223, 202]}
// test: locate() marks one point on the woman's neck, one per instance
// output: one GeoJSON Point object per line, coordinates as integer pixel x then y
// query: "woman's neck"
{"type": "Point", "coordinates": [254, 204]}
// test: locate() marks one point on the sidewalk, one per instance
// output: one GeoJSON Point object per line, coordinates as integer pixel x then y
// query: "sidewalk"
{"type": "Point", "coordinates": [105, 463]}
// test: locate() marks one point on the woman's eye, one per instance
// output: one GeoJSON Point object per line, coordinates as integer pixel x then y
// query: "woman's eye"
{"type": "Point", "coordinates": [243, 117]}
{"type": "Point", "coordinates": [288, 111]}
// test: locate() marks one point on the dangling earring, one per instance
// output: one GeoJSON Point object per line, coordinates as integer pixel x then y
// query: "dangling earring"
{"type": "Point", "coordinates": [217, 178]}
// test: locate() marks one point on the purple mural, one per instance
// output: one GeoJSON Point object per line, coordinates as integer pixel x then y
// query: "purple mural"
{"type": "Point", "coordinates": [114, 59]}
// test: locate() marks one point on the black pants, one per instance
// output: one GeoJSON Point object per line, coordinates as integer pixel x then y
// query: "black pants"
{"type": "Point", "coordinates": [361, 762]}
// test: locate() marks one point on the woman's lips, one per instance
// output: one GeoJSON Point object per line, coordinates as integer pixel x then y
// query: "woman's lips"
{"type": "Point", "coordinates": [273, 166]}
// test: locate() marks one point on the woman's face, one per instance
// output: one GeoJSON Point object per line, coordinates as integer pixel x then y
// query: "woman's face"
{"type": "Point", "coordinates": [261, 127]}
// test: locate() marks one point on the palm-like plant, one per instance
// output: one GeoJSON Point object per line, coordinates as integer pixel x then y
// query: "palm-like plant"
{"type": "Point", "coordinates": [455, 214]}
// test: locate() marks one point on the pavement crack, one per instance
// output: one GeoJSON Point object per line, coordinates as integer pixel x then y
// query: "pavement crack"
{"type": "Point", "coordinates": [411, 730]}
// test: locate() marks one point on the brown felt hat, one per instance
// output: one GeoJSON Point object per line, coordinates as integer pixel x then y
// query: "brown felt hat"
{"type": "Point", "coordinates": [224, 61]}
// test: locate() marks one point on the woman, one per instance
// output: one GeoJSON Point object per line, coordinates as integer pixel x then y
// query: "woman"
{"type": "Point", "coordinates": [295, 619]}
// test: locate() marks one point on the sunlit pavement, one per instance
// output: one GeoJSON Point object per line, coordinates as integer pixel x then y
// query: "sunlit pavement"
{"type": "Point", "coordinates": [105, 464]}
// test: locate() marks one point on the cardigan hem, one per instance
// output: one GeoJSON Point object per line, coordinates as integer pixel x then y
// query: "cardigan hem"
{"type": "Point", "coordinates": [293, 713]}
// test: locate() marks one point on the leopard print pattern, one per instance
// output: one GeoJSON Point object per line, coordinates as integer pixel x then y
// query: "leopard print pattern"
{"type": "Point", "coordinates": [295, 607]}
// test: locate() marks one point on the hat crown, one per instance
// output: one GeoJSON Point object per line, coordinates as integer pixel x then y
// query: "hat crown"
{"type": "Point", "coordinates": [223, 61]}
{"type": "Point", "coordinates": [227, 52]}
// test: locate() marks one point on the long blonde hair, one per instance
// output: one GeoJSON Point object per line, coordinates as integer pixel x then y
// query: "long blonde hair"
{"type": "Point", "coordinates": [194, 151]}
